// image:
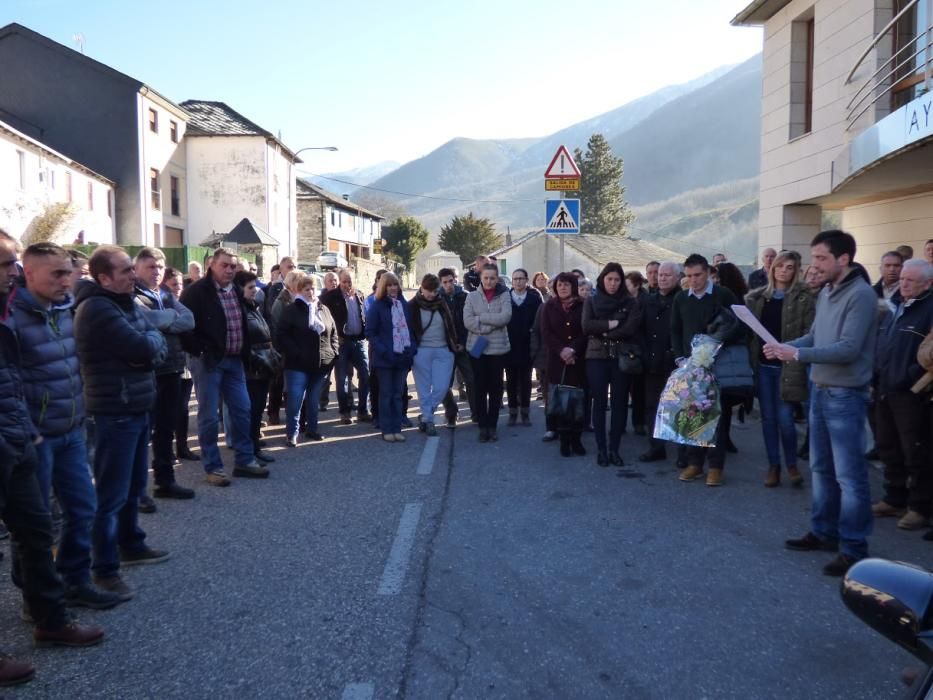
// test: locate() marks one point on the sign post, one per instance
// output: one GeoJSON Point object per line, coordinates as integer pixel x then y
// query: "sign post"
{"type": "Point", "coordinates": [562, 215]}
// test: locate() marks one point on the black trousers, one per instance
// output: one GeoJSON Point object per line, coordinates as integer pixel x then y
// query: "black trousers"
{"type": "Point", "coordinates": [164, 426]}
{"type": "Point", "coordinates": [518, 387]}
{"type": "Point", "coordinates": [185, 387]}
{"type": "Point", "coordinates": [605, 379]}
{"type": "Point", "coordinates": [487, 379]}
{"type": "Point", "coordinates": [258, 391]}
{"type": "Point", "coordinates": [276, 391]}
{"type": "Point", "coordinates": [30, 526]}
{"type": "Point", "coordinates": [902, 434]}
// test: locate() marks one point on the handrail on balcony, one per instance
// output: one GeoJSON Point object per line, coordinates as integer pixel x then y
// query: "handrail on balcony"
{"type": "Point", "coordinates": [874, 84]}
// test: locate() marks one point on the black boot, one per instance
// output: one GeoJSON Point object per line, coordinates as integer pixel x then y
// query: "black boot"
{"type": "Point", "coordinates": [577, 445]}
{"type": "Point", "coordinates": [602, 458]}
{"type": "Point", "coordinates": [565, 449]}
{"type": "Point", "coordinates": [804, 451]}
{"type": "Point", "coordinates": [513, 418]}
{"type": "Point", "coordinates": [615, 459]}
{"type": "Point", "coordinates": [526, 420]}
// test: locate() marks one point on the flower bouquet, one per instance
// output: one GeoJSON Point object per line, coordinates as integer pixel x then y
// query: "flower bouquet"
{"type": "Point", "coordinates": [689, 410]}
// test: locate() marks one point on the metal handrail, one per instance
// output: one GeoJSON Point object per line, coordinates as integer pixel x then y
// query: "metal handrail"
{"type": "Point", "coordinates": [872, 84]}
{"type": "Point", "coordinates": [882, 81]}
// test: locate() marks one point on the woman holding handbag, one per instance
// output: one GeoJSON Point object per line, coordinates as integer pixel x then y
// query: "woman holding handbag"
{"type": "Point", "coordinates": [563, 337]}
{"type": "Point", "coordinates": [433, 327]}
{"type": "Point", "coordinates": [263, 360]}
{"type": "Point", "coordinates": [486, 315]}
{"type": "Point", "coordinates": [519, 361]}
{"type": "Point", "coordinates": [611, 321]}
{"type": "Point", "coordinates": [308, 339]}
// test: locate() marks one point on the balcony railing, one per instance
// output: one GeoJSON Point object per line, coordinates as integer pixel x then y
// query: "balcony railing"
{"type": "Point", "coordinates": [888, 75]}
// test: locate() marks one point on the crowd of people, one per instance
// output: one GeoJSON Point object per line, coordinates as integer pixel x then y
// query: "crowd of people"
{"type": "Point", "coordinates": [99, 357]}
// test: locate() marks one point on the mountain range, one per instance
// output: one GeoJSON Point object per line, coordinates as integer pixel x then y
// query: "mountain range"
{"type": "Point", "coordinates": [691, 155]}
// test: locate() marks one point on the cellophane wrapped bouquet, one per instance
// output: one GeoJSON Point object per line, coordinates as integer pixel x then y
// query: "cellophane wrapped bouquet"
{"type": "Point", "coordinates": [689, 409]}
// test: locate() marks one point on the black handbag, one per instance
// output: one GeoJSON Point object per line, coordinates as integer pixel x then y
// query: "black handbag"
{"type": "Point", "coordinates": [566, 406]}
{"type": "Point", "coordinates": [629, 357]}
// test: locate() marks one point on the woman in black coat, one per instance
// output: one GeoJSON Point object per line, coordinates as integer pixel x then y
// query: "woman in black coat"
{"type": "Point", "coordinates": [307, 337]}
{"type": "Point", "coordinates": [519, 361]}
{"type": "Point", "coordinates": [262, 361]}
{"type": "Point", "coordinates": [565, 343]}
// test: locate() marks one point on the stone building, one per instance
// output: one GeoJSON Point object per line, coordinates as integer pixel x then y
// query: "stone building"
{"type": "Point", "coordinates": [328, 222]}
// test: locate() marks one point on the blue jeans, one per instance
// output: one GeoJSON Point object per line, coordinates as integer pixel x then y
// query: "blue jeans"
{"type": "Point", "coordinates": [121, 461]}
{"type": "Point", "coordinates": [432, 368]}
{"type": "Point", "coordinates": [352, 353]}
{"type": "Point", "coordinates": [297, 385]}
{"type": "Point", "coordinates": [226, 379]}
{"type": "Point", "coordinates": [63, 465]}
{"type": "Point", "coordinates": [392, 383]}
{"type": "Point", "coordinates": [841, 494]}
{"type": "Point", "coordinates": [777, 418]}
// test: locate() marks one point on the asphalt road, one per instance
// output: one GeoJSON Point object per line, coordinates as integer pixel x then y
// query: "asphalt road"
{"type": "Point", "coordinates": [362, 569]}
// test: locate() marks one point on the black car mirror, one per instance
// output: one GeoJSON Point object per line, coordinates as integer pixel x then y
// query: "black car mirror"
{"type": "Point", "coordinates": [894, 599]}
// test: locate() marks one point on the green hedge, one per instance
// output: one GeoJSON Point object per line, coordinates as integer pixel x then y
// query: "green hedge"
{"type": "Point", "coordinates": [174, 257]}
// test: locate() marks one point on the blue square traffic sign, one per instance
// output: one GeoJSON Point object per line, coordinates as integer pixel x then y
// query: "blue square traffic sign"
{"type": "Point", "coordinates": [562, 216]}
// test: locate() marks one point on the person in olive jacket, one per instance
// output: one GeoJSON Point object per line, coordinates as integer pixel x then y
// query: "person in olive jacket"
{"type": "Point", "coordinates": [118, 350]}
{"type": "Point", "coordinates": [659, 357]}
{"type": "Point", "coordinates": [307, 336]}
{"type": "Point", "coordinates": [519, 363]}
{"type": "Point", "coordinates": [610, 318]}
{"type": "Point", "coordinates": [786, 308]}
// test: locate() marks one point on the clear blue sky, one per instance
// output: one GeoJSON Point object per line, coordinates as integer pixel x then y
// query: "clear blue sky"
{"type": "Point", "coordinates": [392, 80]}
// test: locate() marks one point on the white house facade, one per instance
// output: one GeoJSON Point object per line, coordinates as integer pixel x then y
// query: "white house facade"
{"type": "Point", "coordinates": [39, 185]}
{"type": "Point", "coordinates": [329, 222]}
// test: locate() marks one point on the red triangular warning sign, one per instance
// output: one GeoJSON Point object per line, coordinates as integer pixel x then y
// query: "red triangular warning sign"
{"type": "Point", "coordinates": [562, 165]}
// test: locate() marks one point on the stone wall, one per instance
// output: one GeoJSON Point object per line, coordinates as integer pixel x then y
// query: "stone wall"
{"type": "Point", "coordinates": [312, 239]}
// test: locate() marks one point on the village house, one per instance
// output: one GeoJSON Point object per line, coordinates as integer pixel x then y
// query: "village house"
{"type": "Point", "coordinates": [109, 122]}
{"type": "Point", "coordinates": [330, 223]}
{"type": "Point", "coordinates": [846, 97]}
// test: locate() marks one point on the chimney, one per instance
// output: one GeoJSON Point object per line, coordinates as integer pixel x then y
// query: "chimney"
{"type": "Point", "coordinates": [346, 198]}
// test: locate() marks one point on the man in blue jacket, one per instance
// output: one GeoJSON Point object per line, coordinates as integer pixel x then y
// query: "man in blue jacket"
{"type": "Point", "coordinates": [118, 350]}
{"type": "Point", "coordinates": [902, 418]}
{"type": "Point", "coordinates": [840, 346]}
{"type": "Point", "coordinates": [41, 316]}
{"type": "Point", "coordinates": [21, 505]}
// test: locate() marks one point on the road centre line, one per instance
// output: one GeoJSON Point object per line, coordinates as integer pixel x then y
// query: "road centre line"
{"type": "Point", "coordinates": [393, 576]}
{"type": "Point", "coordinates": [358, 691]}
{"type": "Point", "coordinates": [426, 463]}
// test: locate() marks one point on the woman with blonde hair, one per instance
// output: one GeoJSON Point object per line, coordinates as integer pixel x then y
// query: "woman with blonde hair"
{"type": "Point", "coordinates": [785, 307]}
{"type": "Point", "coordinates": [393, 344]}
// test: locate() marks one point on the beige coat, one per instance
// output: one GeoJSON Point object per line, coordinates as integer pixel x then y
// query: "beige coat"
{"type": "Point", "coordinates": [489, 319]}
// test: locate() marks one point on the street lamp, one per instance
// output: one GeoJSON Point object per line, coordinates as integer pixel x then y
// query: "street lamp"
{"type": "Point", "coordinates": [315, 148]}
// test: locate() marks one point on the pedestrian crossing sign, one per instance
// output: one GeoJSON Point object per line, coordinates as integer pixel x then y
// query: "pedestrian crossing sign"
{"type": "Point", "coordinates": [563, 216]}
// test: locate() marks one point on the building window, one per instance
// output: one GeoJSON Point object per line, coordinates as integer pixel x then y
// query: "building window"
{"type": "Point", "coordinates": [52, 179]}
{"type": "Point", "coordinates": [333, 218]}
{"type": "Point", "coordinates": [153, 121]}
{"type": "Point", "coordinates": [156, 190]}
{"type": "Point", "coordinates": [802, 37]}
{"type": "Point", "coordinates": [90, 196]}
{"type": "Point", "coordinates": [156, 235]}
{"type": "Point", "coordinates": [110, 203]}
{"type": "Point", "coordinates": [176, 202]}
{"type": "Point", "coordinates": [173, 131]}
{"type": "Point", "coordinates": [22, 169]}
{"type": "Point", "coordinates": [68, 196]}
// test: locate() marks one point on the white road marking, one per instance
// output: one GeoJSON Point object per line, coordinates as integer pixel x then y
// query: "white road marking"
{"type": "Point", "coordinates": [358, 691]}
{"type": "Point", "coordinates": [426, 463]}
{"type": "Point", "coordinates": [394, 574]}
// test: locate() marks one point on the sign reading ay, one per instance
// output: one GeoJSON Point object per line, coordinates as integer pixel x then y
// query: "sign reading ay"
{"type": "Point", "coordinates": [563, 216]}
{"type": "Point", "coordinates": [562, 166]}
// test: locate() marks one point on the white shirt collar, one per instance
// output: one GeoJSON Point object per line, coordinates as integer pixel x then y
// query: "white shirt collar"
{"type": "Point", "coordinates": [708, 290]}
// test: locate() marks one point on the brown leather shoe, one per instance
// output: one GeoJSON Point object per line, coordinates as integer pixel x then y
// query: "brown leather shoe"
{"type": "Point", "coordinates": [15, 671]}
{"type": "Point", "coordinates": [691, 473]}
{"type": "Point", "coordinates": [71, 634]}
{"type": "Point", "coordinates": [796, 478]}
{"type": "Point", "coordinates": [774, 477]}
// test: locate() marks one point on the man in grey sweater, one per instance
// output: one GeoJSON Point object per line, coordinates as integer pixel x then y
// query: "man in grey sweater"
{"type": "Point", "coordinates": [840, 346]}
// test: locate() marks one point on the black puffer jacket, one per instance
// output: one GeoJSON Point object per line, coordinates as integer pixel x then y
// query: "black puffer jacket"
{"type": "Point", "coordinates": [118, 350]}
{"type": "Point", "coordinates": [304, 349]}
{"type": "Point", "coordinates": [896, 364]}
{"type": "Point", "coordinates": [173, 319]}
{"type": "Point", "coordinates": [208, 341]}
{"type": "Point", "coordinates": [16, 427]}
{"type": "Point", "coordinates": [455, 303]}
{"type": "Point", "coordinates": [48, 362]}
{"type": "Point", "coordinates": [262, 356]}
{"type": "Point", "coordinates": [656, 321]}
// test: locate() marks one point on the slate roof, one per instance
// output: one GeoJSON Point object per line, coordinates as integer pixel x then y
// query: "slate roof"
{"type": "Point", "coordinates": [244, 233]}
{"type": "Point", "coordinates": [630, 252]}
{"type": "Point", "coordinates": [209, 118]}
{"type": "Point", "coordinates": [307, 188]}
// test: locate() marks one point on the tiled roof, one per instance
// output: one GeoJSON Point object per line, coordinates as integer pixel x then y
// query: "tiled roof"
{"type": "Point", "coordinates": [310, 189]}
{"type": "Point", "coordinates": [219, 119]}
{"type": "Point", "coordinates": [622, 249]}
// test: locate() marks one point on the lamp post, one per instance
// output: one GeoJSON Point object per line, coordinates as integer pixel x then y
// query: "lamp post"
{"type": "Point", "coordinates": [315, 148]}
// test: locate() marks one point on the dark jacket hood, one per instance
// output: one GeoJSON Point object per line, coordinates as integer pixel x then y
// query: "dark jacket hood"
{"type": "Point", "coordinates": [88, 289]}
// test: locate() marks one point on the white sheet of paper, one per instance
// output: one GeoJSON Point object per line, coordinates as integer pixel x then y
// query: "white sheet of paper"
{"type": "Point", "coordinates": [748, 318]}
